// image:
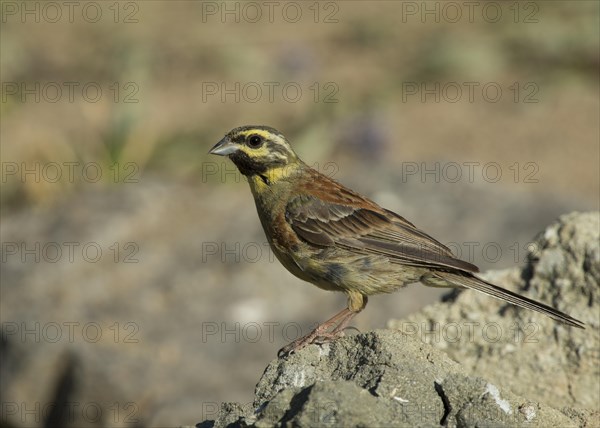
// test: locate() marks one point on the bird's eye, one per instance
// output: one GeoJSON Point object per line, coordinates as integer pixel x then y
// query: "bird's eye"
{"type": "Point", "coordinates": [255, 141]}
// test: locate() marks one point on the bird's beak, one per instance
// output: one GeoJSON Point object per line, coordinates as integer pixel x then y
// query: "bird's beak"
{"type": "Point", "coordinates": [224, 147]}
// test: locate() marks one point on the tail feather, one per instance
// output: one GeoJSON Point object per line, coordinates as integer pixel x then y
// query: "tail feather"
{"type": "Point", "coordinates": [478, 284]}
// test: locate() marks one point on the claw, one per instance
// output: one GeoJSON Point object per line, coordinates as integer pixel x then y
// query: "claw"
{"type": "Point", "coordinates": [320, 335]}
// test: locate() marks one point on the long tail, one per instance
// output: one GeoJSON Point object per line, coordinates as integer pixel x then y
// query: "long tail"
{"type": "Point", "coordinates": [478, 284]}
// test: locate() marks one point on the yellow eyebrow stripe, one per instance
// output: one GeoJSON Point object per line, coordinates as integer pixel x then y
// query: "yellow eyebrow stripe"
{"type": "Point", "coordinates": [263, 133]}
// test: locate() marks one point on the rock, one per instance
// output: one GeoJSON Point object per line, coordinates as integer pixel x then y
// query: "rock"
{"type": "Point", "coordinates": [521, 349]}
{"type": "Point", "coordinates": [467, 361]}
{"type": "Point", "coordinates": [381, 378]}
{"type": "Point", "coordinates": [380, 364]}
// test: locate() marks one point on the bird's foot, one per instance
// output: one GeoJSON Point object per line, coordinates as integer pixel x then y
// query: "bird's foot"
{"type": "Point", "coordinates": [321, 334]}
{"type": "Point", "coordinates": [318, 336]}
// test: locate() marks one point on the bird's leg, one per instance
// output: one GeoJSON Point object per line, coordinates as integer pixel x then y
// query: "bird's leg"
{"type": "Point", "coordinates": [356, 303]}
{"type": "Point", "coordinates": [327, 336]}
{"type": "Point", "coordinates": [319, 334]}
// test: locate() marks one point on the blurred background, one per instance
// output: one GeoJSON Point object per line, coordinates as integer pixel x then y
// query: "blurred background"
{"type": "Point", "coordinates": [136, 285]}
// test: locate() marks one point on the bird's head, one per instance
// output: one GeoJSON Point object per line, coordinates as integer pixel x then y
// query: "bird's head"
{"type": "Point", "coordinates": [256, 150]}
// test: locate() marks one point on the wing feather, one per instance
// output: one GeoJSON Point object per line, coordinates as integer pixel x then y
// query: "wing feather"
{"type": "Point", "coordinates": [367, 228]}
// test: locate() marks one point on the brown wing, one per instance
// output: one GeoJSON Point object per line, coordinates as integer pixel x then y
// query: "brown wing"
{"type": "Point", "coordinates": [345, 219]}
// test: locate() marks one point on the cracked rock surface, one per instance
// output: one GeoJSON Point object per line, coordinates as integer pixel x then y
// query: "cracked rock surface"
{"type": "Point", "coordinates": [468, 361]}
{"type": "Point", "coordinates": [381, 378]}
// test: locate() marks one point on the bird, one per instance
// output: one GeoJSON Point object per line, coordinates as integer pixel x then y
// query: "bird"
{"type": "Point", "coordinates": [338, 240]}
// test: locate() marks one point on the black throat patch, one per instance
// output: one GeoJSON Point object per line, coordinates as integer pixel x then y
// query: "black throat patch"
{"type": "Point", "coordinates": [247, 165]}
